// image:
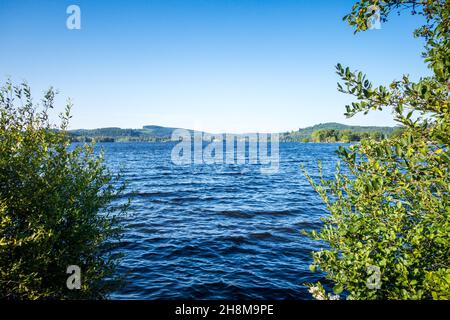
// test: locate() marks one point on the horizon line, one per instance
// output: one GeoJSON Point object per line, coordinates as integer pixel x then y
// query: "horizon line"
{"type": "Point", "coordinates": [226, 132]}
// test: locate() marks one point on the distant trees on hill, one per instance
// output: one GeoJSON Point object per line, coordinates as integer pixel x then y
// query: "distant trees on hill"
{"type": "Point", "coordinates": [326, 132]}
{"type": "Point", "coordinates": [337, 135]}
{"type": "Point", "coordinates": [331, 135]}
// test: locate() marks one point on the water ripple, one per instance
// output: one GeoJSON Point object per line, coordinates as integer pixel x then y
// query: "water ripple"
{"type": "Point", "coordinates": [217, 231]}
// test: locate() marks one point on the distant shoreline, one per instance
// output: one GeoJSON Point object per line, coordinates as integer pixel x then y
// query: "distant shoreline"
{"type": "Point", "coordinates": [173, 141]}
{"type": "Point", "coordinates": [321, 133]}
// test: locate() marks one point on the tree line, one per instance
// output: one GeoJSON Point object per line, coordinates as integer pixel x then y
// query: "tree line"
{"type": "Point", "coordinates": [336, 135]}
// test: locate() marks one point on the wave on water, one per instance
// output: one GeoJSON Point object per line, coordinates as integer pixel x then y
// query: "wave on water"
{"type": "Point", "coordinates": [217, 232]}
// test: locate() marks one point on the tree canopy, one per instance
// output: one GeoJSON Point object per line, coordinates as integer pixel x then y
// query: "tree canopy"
{"type": "Point", "coordinates": [386, 234]}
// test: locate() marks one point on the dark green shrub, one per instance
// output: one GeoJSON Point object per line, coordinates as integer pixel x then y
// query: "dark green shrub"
{"type": "Point", "coordinates": [55, 205]}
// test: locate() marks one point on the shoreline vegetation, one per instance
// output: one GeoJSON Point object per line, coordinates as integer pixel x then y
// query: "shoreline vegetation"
{"type": "Point", "coordinates": [385, 236]}
{"type": "Point", "coordinates": [321, 133]}
{"type": "Point", "coordinates": [385, 233]}
{"type": "Point", "coordinates": [59, 215]}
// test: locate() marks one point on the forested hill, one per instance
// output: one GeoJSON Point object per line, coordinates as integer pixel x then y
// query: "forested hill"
{"type": "Point", "coordinates": [114, 134]}
{"type": "Point", "coordinates": [332, 132]}
{"type": "Point", "coordinates": [324, 132]}
{"type": "Point", "coordinates": [340, 126]}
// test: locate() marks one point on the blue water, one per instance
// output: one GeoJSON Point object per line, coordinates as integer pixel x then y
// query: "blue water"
{"type": "Point", "coordinates": [218, 231]}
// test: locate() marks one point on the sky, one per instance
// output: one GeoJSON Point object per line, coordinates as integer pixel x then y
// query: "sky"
{"type": "Point", "coordinates": [213, 65]}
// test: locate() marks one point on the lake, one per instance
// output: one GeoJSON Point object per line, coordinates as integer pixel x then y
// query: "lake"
{"type": "Point", "coordinates": [218, 231]}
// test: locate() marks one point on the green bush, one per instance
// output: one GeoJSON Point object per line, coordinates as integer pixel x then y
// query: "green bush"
{"type": "Point", "coordinates": [55, 205]}
{"type": "Point", "coordinates": [387, 235]}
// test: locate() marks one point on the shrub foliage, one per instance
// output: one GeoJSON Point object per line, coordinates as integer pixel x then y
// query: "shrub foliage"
{"type": "Point", "coordinates": [387, 234]}
{"type": "Point", "coordinates": [55, 204]}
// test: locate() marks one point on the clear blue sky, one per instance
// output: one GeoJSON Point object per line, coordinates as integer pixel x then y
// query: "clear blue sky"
{"type": "Point", "coordinates": [214, 65]}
